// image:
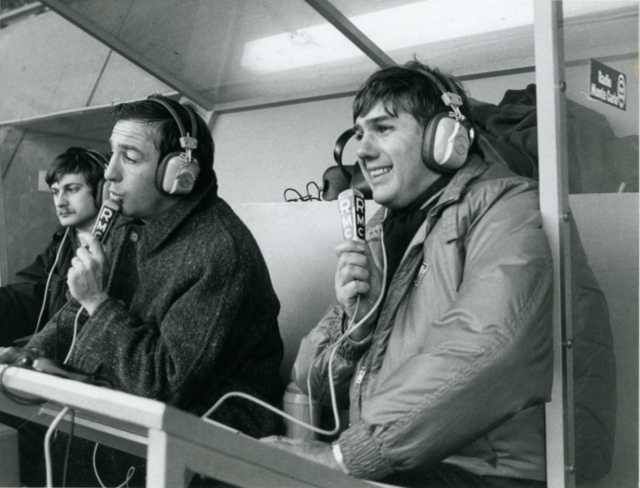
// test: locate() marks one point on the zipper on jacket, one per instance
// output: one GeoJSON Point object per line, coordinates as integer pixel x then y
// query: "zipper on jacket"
{"type": "Point", "coordinates": [424, 267]}
{"type": "Point", "coordinates": [360, 375]}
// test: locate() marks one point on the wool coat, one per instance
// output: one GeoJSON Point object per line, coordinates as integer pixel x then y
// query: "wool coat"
{"type": "Point", "coordinates": [192, 314]}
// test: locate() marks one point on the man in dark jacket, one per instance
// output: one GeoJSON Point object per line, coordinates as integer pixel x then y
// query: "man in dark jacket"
{"type": "Point", "coordinates": [440, 343]}
{"type": "Point", "coordinates": [39, 291]}
{"type": "Point", "coordinates": [188, 312]}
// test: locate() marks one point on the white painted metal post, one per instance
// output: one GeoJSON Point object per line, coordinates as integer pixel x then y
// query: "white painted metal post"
{"type": "Point", "coordinates": [554, 206]}
{"type": "Point", "coordinates": [166, 466]}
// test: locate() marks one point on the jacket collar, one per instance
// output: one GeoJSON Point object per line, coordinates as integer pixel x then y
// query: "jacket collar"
{"type": "Point", "coordinates": [157, 229]}
{"type": "Point", "coordinates": [451, 193]}
{"type": "Point", "coordinates": [461, 180]}
{"type": "Point", "coordinates": [451, 226]}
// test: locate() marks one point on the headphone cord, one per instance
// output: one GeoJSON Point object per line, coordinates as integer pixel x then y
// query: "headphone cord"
{"type": "Point", "coordinates": [48, 282]}
{"type": "Point", "coordinates": [299, 197]}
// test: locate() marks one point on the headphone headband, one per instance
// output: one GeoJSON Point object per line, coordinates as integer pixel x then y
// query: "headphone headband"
{"type": "Point", "coordinates": [177, 172]}
{"type": "Point", "coordinates": [172, 112]}
{"type": "Point", "coordinates": [451, 98]}
{"type": "Point", "coordinates": [188, 140]}
{"type": "Point", "coordinates": [98, 158]}
{"type": "Point", "coordinates": [447, 135]}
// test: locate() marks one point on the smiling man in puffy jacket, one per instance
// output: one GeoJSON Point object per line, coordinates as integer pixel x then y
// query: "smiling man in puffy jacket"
{"type": "Point", "coordinates": [448, 361]}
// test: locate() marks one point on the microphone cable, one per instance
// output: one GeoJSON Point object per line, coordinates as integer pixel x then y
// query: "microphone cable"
{"type": "Point", "coordinates": [47, 444]}
{"type": "Point", "coordinates": [67, 450]}
{"type": "Point", "coordinates": [76, 319]}
{"type": "Point", "coordinates": [48, 282]}
{"type": "Point", "coordinates": [101, 227]}
{"type": "Point", "coordinates": [351, 327]}
{"type": "Point", "coordinates": [334, 404]}
{"type": "Point", "coordinates": [130, 472]}
{"type": "Point", "coordinates": [47, 453]}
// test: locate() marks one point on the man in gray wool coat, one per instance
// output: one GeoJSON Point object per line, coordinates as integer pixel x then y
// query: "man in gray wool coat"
{"type": "Point", "coordinates": [188, 311]}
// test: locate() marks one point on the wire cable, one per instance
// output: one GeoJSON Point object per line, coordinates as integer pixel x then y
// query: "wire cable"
{"type": "Point", "coordinates": [48, 282]}
{"type": "Point", "coordinates": [351, 328]}
{"type": "Point", "coordinates": [67, 451]}
{"type": "Point", "coordinates": [311, 187]}
{"type": "Point", "coordinates": [332, 394]}
{"type": "Point", "coordinates": [130, 472]}
{"type": "Point", "coordinates": [75, 335]}
{"type": "Point", "coordinates": [47, 444]}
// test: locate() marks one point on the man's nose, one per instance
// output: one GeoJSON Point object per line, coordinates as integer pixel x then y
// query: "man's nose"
{"type": "Point", "coordinates": [112, 171]}
{"type": "Point", "coordinates": [366, 150]}
{"type": "Point", "coordinates": [60, 200]}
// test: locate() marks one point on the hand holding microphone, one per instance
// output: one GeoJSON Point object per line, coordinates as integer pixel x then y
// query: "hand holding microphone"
{"type": "Point", "coordinates": [85, 277]}
{"type": "Point", "coordinates": [357, 280]}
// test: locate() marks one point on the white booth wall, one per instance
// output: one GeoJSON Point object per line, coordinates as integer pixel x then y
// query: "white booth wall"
{"type": "Point", "coordinates": [262, 151]}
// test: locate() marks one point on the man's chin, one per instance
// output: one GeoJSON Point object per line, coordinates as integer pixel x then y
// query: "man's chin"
{"type": "Point", "coordinates": [66, 221]}
{"type": "Point", "coordinates": [379, 196]}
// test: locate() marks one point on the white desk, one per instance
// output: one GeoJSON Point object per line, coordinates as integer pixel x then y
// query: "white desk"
{"type": "Point", "coordinates": [176, 443]}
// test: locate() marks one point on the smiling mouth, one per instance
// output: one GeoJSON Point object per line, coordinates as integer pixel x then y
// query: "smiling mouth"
{"type": "Point", "coordinates": [377, 172]}
{"type": "Point", "coordinates": [115, 196]}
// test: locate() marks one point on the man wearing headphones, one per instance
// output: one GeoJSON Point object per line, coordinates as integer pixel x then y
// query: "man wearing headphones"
{"type": "Point", "coordinates": [449, 361]}
{"type": "Point", "coordinates": [188, 311]}
{"type": "Point", "coordinates": [75, 178]}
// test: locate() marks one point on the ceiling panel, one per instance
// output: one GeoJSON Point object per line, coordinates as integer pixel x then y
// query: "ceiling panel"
{"type": "Point", "coordinates": [228, 50]}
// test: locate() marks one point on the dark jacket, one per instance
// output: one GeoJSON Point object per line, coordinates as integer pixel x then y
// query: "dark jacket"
{"type": "Point", "coordinates": [509, 133]}
{"type": "Point", "coordinates": [21, 301]}
{"type": "Point", "coordinates": [201, 321]}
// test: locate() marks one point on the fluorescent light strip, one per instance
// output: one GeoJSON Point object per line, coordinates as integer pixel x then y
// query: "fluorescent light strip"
{"type": "Point", "coordinates": [413, 24]}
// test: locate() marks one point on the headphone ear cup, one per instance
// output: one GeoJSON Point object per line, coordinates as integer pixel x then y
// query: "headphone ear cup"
{"type": "Point", "coordinates": [175, 175]}
{"type": "Point", "coordinates": [446, 144]}
{"type": "Point", "coordinates": [428, 143]}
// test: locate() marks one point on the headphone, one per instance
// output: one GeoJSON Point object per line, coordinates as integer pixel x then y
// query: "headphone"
{"type": "Point", "coordinates": [448, 135]}
{"type": "Point", "coordinates": [447, 138]}
{"type": "Point", "coordinates": [102, 162]}
{"type": "Point", "coordinates": [178, 171]}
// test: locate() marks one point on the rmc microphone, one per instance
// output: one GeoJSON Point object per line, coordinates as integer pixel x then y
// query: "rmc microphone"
{"type": "Point", "coordinates": [351, 208]}
{"type": "Point", "coordinates": [104, 221]}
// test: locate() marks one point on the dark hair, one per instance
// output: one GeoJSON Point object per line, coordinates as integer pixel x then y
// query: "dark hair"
{"type": "Point", "coordinates": [168, 139]}
{"type": "Point", "coordinates": [91, 164]}
{"type": "Point", "coordinates": [406, 89]}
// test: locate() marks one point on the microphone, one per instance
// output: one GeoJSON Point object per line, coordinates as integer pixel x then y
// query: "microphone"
{"type": "Point", "coordinates": [351, 208]}
{"type": "Point", "coordinates": [105, 219]}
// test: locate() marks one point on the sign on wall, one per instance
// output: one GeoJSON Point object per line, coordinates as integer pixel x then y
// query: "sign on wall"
{"type": "Point", "coordinates": [608, 85]}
